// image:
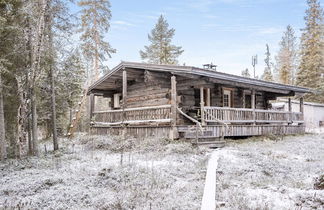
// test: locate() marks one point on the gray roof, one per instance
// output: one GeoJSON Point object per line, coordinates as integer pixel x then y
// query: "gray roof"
{"type": "Point", "coordinates": [190, 70]}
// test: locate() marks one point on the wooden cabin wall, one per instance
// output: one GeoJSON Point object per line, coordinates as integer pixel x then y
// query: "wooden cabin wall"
{"type": "Point", "coordinates": [152, 89]}
{"type": "Point", "coordinates": [260, 101]}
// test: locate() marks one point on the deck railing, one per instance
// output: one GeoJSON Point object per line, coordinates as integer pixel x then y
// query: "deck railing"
{"type": "Point", "coordinates": [141, 115]}
{"type": "Point", "coordinates": [238, 115]}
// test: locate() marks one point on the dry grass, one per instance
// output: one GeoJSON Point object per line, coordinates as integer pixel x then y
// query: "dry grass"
{"type": "Point", "coordinates": [87, 173]}
{"type": "Point", "coordinates": [267, 173]}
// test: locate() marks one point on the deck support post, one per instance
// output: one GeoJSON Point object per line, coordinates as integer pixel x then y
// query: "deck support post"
{"type": "Point", "coordinates": [124, 104]}
{"type": "Point", "coordinates": [289, 109]}
{"type": "Point", "coordinates": [173, 132]}
{"type": "Point", "coordinates": [208, 97]}
{"type": "Point", "coordinates": [92, 105]}
{"type": "Point", "coordinates": [202, 104]}
{"type": "Point", "coordinates": [253, 105]}
{"type": "Point", "coordinates": [301, 106]}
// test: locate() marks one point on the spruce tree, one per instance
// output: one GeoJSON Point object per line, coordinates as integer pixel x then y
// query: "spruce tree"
{"type": "Point", "coordinates": [286, 60]}
{"type": "Point", "coordinates": [95, 24]}
{"type": "Point", "coordinates": [310, 72]}
{"type": "Point", "coordinates": [267, 74]}
{"type": "Point", "coordinates": [246, 73]}
{"type": "Point", "coordinates": [161, 51]}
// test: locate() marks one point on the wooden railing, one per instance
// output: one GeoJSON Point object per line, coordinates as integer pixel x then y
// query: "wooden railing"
{"type": "Point", "coordinates": [139, 115]}
{"type": "Point", "coordinates": [238, 115]}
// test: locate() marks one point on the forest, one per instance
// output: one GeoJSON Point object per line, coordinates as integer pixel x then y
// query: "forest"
{"type": "Point", "coordinates": [44, 72]}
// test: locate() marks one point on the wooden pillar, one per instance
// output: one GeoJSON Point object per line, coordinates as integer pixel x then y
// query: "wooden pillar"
{"type": "Point", "coordinates": [208, 97]}
{"type": "Point", "coordinates": [289, 104]}
{"type": "Point", "coordinates": [124, 104]}
{"type": "Point", "coordinates": [202, 104]}
{"type": "Point", "coordinates": [124, 89]}
{"type": "Point", "coordinates": [92, 105]}
{"type": "Point", "coordinates": [289, 109]}
{"type": "Point", "coordinates": [173, 133]}
{"type": "Point", "coordinates": [253, 104]}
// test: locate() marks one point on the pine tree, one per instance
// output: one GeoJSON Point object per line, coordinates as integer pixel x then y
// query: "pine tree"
{"type": "Point", "coordinates": [246, 73]}
{"type": "Point", "coordinates": [95, 19]}
{"type": "Point", "coordinates": [286, 60]}
{"type": "Point", "coordinates": [267, 74]}
{"type": "Point", "coordinates": [310, 72]}
{"type": "Point", "coordinates": [161, 51]}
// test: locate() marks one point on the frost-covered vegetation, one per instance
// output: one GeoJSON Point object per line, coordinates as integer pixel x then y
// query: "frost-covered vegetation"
{"type": "Point", "coordinates": [104, 173]}
{"type": "Point", "coordinates": [270, 173]}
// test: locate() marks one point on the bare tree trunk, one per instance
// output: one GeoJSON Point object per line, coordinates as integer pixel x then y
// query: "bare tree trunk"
{"type": "Point", "coordinates": [55, 142]}
{"type": "Point", "coordinates": [34, 122]}
{"type": "Point", "coordinates": [96, 57]}
{"type": "Point", "coordinates": [22, 120]}
{"type": "Point", "coordinates": [3, 150]}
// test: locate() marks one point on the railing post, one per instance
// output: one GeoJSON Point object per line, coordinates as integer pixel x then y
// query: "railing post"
{"type": "Point", "coordinates": [253, 105]}
{"type": "Point", "coordinates": [202, 104]}
{"type": "Point", "coordinates": [173, 133]}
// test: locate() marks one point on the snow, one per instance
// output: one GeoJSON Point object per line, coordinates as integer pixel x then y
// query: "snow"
{"type": "Point", "coordinates": [87, 174]}
{"type": "Point", "coordinates": [259, 173]}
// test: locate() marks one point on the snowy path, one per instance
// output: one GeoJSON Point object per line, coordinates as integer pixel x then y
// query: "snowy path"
{"type": "Point", "coordinates": [209, 197]}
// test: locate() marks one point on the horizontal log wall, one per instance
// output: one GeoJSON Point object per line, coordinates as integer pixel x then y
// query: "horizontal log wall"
{"type": "Point", "coordinates": [153, 89]}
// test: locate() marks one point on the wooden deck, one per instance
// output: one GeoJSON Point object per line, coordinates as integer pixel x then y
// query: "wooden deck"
{"type": "Point", "coordinates": [219, 122]}
{"type": "Point", "coordinates": [216, 131]}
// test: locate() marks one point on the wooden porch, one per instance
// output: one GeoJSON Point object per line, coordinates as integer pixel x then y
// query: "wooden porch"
{"type": "Point", "coordinates": [216, 122]}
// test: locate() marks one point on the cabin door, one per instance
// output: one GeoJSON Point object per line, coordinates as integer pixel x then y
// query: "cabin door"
{"type": "Point", "coordinates": [227, 98]}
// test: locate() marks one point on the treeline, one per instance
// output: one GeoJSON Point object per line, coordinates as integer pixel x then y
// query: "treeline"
{"type": "Point", "coordinates": [42, 71]}
{"type": "Point", "coordinates": [300, 63]}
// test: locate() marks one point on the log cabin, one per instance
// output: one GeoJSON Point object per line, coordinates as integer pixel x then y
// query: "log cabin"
{"type": "Point", "coordinates": [187, 102]}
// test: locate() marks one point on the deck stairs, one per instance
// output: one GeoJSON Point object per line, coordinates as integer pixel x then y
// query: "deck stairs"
{"type": "Point", "coordinates": [198, 135]}
{"type": "Point", "coordinates": [201, 137]}
{"type": "Point", "coordinates": [78, 113]}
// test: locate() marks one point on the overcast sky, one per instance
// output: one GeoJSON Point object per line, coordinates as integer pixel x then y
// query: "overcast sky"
{"type": "Point", "coordinates": [225, 32]}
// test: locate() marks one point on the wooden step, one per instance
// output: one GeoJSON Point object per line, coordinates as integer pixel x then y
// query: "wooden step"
{"type": "Point", "coordinates": [212, 144]}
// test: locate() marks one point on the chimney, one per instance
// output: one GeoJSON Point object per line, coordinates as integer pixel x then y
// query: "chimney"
{"type": "Point", "coordinates": [210, 66]}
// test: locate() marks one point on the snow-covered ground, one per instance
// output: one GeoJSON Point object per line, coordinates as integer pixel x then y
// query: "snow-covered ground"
{"type": "Point", "coordinates": [87, 173]}
{"type": "Point", "coordinates": [260, 173]}
{"type": "Point", "coordinates": [104, 173]}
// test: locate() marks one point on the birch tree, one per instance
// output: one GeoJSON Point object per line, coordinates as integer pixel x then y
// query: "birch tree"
{"type": "Point", "coordinates": [161, 51]}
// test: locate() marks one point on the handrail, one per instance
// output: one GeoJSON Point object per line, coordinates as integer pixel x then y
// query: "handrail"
{"type": "Point", "coordinates": [134, 109]}
{"type": "Point", "coordinates": [245, 109]}
{"type": "Point", "coordinates": [190, 118]}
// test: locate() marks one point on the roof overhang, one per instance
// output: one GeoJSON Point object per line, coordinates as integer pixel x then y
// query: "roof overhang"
{"type": "Point", "coordinates": [112, 79]}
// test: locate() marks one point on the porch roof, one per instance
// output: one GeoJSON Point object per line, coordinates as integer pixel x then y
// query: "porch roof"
{"type": "Point", "coordinates": [109, 80]}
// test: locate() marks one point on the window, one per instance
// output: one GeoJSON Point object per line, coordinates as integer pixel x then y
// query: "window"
{"type": "Point", "coordinates": [227, 98]}
{"type": "Point", "coordinates": [247, 101]}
